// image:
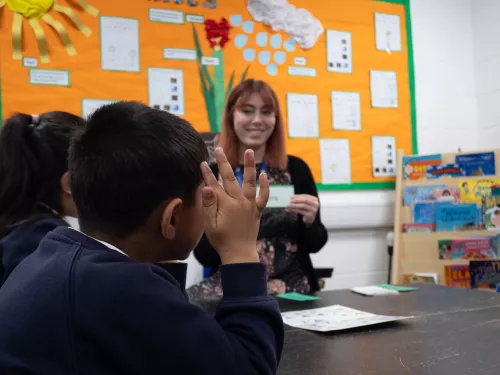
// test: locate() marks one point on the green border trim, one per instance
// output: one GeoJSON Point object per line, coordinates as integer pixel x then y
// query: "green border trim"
{"type": "Point", "coordinates": [138, 44]}
{"type": "Point", "coordinates": [384, 185]}
{"type": "Point", "coordinates": [411, 70]}
{"type": "Point", "coordinates": [49, 84]}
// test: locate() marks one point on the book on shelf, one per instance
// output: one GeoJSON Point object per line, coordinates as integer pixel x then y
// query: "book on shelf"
{"type": "Point", "coordinates": [467, 248]}
{"type": "Point", "coordinates": [415, 166]}
{"type": "Point", "coordinates": [477, 164]}
{"type": "Point", "coordinates": [485, 274]}
{"type": "Point", "coordinates": [457, 275]}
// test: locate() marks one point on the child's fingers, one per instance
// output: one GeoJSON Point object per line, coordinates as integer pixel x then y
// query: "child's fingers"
{"type": "Point", "coordinates": [263, 197]}
{"type": "Point", "coordinates": [208, 176]}
{"type": "Point", "coordinates": [209, 199]}
{"type": "Point", "coordinates": [229, 181]}
{"type": "Point", "coordinates": [249, 175]}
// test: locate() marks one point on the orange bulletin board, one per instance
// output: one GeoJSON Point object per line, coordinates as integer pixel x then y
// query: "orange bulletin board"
{"type": "Point", "coordinates": [69, 60]}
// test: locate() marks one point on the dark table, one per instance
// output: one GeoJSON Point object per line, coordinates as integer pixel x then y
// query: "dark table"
{"type": "Point", "coordinates": [454, 332]}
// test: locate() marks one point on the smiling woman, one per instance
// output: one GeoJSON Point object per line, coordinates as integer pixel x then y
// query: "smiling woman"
{"type": "Point", "coordinates": [35, 10]}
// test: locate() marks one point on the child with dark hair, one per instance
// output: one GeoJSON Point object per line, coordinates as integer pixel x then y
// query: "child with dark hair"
{"type": "Point", "coordinates": [111, 299]}
{"type": "Point", "coordinates": [34, 191]}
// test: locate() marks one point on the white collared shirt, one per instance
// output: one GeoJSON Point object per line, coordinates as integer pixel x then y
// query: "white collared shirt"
{"type": "Point", "coordinates": [108, 245]}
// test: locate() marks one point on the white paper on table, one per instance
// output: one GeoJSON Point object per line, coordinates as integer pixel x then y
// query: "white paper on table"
{"type": "Point", "coordinates": [335, 161]}
{"type": "Point", "coordinates": [383, 89]}
{"type": "Point", "coordinates": [335, 318]}
{"type": "Point", "coordinates": [303, 119]}
{"type": "Point", "coordinates": [120, 44]}
{"type": "Point", "coordinates": [346, 110]}
{"type": "Point", "coordinates": [373, 291]}
{"type": "Point", "coordinates": [166, 90]}
{"type": "Point", "coordinates": [383, 156]}
{"type": "Point", "coordinates": [338, 51]}
{"type": "Point", "coordinates": [388, 32]}
{"type": "Point", "coordinates": [89, 106]}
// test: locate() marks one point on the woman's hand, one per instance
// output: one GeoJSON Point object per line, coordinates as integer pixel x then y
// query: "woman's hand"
{"type": "Point", "coordinates": [305, 205]}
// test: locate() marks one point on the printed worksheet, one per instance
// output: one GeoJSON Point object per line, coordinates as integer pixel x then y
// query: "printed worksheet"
{"type": "Point", "coordinates": [335, 318]}
{"type": "Point", "coordinates": [303, 119]}
{"type": "Point", "coordinates": [383, 156]}
{"type": "Point", "coordinates": [335, 161]}
{"type": "Point", "coordinates": [346, 110]}
{"type": "Point", "coordinates": [120, 44]}
{"type": "Point", "coordinates": [89, 106]}
{"type": "Point", "coordinates": [338, 51]}
{"type": "Point", "coordinates": [387, 32]}
{"type": "Point", "coordinates": [166, 90]}
{"type": "Point", "coordinates": [383, 89]}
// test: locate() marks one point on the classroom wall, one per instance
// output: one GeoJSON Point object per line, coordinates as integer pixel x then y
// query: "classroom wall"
{"type": "Point", "coordinates": [358, 222]}
{"type": "Point", "coordinates": [486, 32]}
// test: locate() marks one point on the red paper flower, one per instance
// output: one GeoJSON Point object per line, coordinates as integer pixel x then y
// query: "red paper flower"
{"type": "Point", "coordinates": [217, 32]}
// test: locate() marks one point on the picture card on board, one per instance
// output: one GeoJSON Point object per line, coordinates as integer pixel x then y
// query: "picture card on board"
{"type": "Point", "coordinates": [383, 156]}
{"type": "Point", "coordinates": [338, 51]}
{"type": "Point", "coordinates": [303, 119]}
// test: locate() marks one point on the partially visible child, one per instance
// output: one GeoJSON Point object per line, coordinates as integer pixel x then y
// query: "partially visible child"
{"type": "Point", "coordinates": [34, 190]}
{"type": "Point", "coordinates": [111, 299]}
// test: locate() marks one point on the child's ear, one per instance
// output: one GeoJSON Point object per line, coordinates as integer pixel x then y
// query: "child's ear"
{"type": "Point", "coordinates": [170, 218]}
{"type": "Point", "coordinates": [65, 184]}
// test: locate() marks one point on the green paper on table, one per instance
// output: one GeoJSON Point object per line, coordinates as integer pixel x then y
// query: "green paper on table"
{"type": "Point", "coordinates": [399, 288]}
{"type": "Point", "coordinates": [297, 297]}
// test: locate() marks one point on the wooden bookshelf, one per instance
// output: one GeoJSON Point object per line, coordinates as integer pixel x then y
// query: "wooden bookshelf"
{"type": "Point", "coordinates": [418, 252]}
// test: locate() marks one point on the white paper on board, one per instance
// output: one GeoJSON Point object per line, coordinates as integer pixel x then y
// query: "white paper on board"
{"type": "Point", "coordinates": [346, 110]}
{"type": "Point", "coordinates": [49, 77]}
{"type": "Point", "coordinates": [166, 90]}
{"type": "Point", "coordinates": [335, 318]}
{"type": "Point", "coordinates": [383, 156]}
{"type": "Point", "coordinates": [338, 51]}
{"type": "Point", "coordinates": [388, 32]}
{"type": "Point", "coordinates": [335, 161]}
{"type": "Point", "coordinates": [120, 44]}
{"type": "Point", "coordinates": [383, 89]}
{"type": "Point", "coordinates": [89, 106]}
{"type": "Point", "coordinates": [303, 119]}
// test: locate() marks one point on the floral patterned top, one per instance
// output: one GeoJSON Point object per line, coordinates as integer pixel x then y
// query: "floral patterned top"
{"type": "Point", "coordinates": [277, 248]}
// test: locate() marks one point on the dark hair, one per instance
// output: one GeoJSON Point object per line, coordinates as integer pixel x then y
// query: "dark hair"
{"type": "Point", "coordinates": [128, 160]}
{"type": "Point", "coordinates": [33, 158]}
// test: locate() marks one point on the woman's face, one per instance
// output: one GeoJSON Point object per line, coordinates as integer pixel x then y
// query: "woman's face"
{"type": "Point", "coordinates": [254, 122]}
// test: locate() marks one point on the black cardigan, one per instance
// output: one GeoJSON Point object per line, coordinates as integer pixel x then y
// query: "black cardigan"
{"type": "Point", "coordinates": [310, 240]}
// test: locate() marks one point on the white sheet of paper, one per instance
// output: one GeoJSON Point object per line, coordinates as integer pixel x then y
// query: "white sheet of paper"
{"type": "Point", "coordinates": [89, 106]}
{"type": "Point", "coordinates": [387, 32]}
{"type": "Point", "coordinates": [338, 51]}
{"type": "Point", "coordinates": [303, 119]}
{"type": "Point", "coordinates": [346, 110]}
{"type": "Point", "coordinates": [166, 90]}
{"type": "Point", "coordinates": [383, 156]}
{"type": "Point", "coordinates": [383, 89]}
{"type": "Point", "coordinates": [49, 77]}
{"type": "Point", "coordinates": [373, 291]}
{"type": "Point", "coordinates": [335, 318]}
{"type": "Point", "coordinates": [120, 44]}
{"type": "Point", "coordinates": [279, 196]}
{"type": "Point", "coordinates": [335, 161]}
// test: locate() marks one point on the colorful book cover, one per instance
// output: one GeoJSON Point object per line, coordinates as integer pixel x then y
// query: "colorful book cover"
{"type": "Point", "coordinates": [482, 164]}
{"type": "Point", "coordinates": [424, 213]}
{"type": "Point", "coordinates": [448, 170]}
{"type": "Point", "coordinates": [415, 167]}
{"type": "Point", "coordinates": [456, 217]}
{"type": "Point", "coordinates": [413, 194]}
{"type": "Point", "coordinates": [457, 275]}
{"type": "Point", "coordinates": [419, 278]}
{"type": "Point", "coordinates": [479, 192]}
{"type": "Point", "coordinates": [418, 228]}
{"type": "Point", "coordinates": [492, 212]}
{"type": "Point", "coordinates": [477, 248]}
{"type": "Point", "coordinates": [485, 273]}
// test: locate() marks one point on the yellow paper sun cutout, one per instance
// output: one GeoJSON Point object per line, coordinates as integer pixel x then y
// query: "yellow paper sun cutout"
{"type": "Point", "coordinates": [35, 10]}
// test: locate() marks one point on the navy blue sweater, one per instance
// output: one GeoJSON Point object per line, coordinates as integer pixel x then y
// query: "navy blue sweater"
{"type": "Point", "coordinates": [22, 241]}
{"type": "Point", "coordinates": [75, 306]}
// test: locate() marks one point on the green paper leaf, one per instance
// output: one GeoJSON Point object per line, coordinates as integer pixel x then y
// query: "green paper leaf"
{"type": "Point", "coordinates": [297, 297]}
{"type": "Point", "coordinates": [399, 288]}
{"type": "Point", "coordinates": [230, 84]}
{"type": "Point", "coordinates": [244, 76]}
{"type": "Point", "coordinates": [199, 55]}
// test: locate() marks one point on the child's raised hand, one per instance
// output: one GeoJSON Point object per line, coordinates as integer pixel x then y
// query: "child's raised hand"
{"type": "Point", "coordinates": [232, 213]}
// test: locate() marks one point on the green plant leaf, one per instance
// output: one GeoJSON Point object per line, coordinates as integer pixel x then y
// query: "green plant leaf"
{"type": "Point", "coordinates": [209, 101]}
{"type": "Point", "coordinates": [199, 55]}
{"type": "Point", "coordinates": [244, 76]}
{"type": "Point", "coordinates": [230, 84]}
